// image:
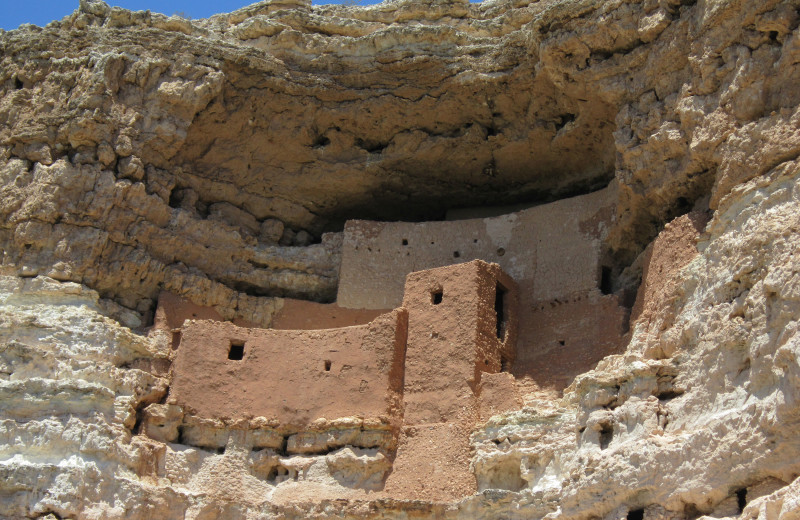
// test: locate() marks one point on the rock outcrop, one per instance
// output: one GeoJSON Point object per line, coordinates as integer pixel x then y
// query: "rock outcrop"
{"type": "Point", "coordinates": [218, 159]}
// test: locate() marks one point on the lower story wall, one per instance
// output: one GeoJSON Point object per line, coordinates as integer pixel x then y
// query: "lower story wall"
{"type": "Point", "coordinates": [559, 340]}
{"type": "Point", "coordinates": [292, 376]}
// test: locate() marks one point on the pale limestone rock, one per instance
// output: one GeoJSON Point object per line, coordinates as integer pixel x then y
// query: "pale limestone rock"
{"type": "Point", "coordinates": [712, 416]}
{"type": "Point", "coordinates": [161, 422]}
{"type": "Point", "coordinates": [303, 238]}
{"type": "Point", "coordinates": [271, 230]}
{"type": "Point", "coordinates": [234, 217]}
{"type": "Point", "coordinates": [395, 111]}
{"type": "Point", "coordinates": [354, 467]}
{"type": "Point", "coordinates": [131, 167]}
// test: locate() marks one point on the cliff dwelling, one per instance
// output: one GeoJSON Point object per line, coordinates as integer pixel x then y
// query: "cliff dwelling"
{"type": "Point", "coordinates": [441, 259]}
{"type": "Point", "coordinates": [415, 364]}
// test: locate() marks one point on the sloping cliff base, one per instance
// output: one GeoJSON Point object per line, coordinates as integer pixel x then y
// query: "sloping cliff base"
{"type": "Point", "coordinates": [218, 159]}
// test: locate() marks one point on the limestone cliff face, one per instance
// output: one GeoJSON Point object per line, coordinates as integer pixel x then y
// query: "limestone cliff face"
{"type": "Point", "coordinates": [138, 151]}
{"type": "Point", "coordinates": [218, 159]}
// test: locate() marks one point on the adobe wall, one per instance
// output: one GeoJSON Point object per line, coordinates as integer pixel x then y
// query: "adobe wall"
{"type": "Point", "coordinates": [563, 339]}
{"type": "Point", "coordinates": [290, 314]}
{"type": "Point", "coordinates": [416, 374]}
{"type": "Point", "coordinates": [307, 315]}
{"type": "Point", "coordinates": [663, 259]}
{"type": "Point", "coordinates": [291, 376]}
{"type": "Point", "coordinates": [173, 310]}
{"type": "Point", "coordinates": [552, 250]}
{"type": "Point", "coordinates": [453, 341]}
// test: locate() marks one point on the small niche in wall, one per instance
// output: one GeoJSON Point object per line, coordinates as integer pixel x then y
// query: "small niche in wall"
{"type": "Point", "coordinates": [436, 296]}
{"type": "Point", "coordinates": [405, 241]}
{"type": "Point", "coordinates": [328, 365]}
{"type": "Point", "coordinates": [635, 514]}
{"type": "Point", "coordinates": [236, 350]}
{"type": "Point", "coordinates": [176, 339]}
{"type": "Point", "coordinates": [606, 436]}
{"type": "Point", "coordinates": [741, 499]}
{"type": "Point", "coordinates": [606, 286]}
{"type": "Point", "coordinates": [501, 310]}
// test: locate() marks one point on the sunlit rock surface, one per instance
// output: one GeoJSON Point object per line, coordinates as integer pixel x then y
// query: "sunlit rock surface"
{"type": "Point", "coordinates": [219, 158]}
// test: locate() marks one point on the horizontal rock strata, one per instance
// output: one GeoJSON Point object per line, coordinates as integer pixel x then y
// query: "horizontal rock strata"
{"type": "Point", "coordinates": [218, 159]}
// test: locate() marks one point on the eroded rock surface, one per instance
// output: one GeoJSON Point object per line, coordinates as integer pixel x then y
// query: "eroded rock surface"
{"type": "Point", "coordinates": [140, 152]}
{"type": "Point", "coordinates": [163, 146]}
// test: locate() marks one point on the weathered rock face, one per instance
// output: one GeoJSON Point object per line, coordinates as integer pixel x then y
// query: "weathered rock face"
{"type": "Point", "coordinates": [141, 153]}
{"type": "Point", "coordinates": [698, 416]}
{"type": "Point", "coordinates": [158, 146]}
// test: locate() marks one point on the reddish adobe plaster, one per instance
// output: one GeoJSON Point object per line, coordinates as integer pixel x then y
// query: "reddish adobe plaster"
{"type": "Point", "coordinates": [452, 342]}
{"type": "Point", "coordinates": [306, 315]}
{"type": "Point", "coordinates": [431, 369]}
{"type": "Point", "coordinates": [294, 377]}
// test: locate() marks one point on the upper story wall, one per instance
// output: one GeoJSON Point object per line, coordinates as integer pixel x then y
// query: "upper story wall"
{"type": "Point", "coordinates": [294, 376]}
{"type": "Point", "coordinates": [553, 251]}
{"type": "Point", "coordinates": [462, 323]}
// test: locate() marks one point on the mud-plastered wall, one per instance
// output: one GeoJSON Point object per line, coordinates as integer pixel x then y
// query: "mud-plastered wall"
{"type": "Point", "coordinates": [295, 377]}
{"type": "Point", "coordinates": [453, 342]}
{"type": "Point", "coordinates": [554, 252]}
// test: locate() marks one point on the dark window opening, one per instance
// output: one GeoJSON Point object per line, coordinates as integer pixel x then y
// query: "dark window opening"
{"type": "Point", "coordinates": [605, 280]}
{"type": "Point", "coordinates": [456, 254]}
{"type": "Point", "coordinates": [486, 362]}
{"type": "Point", "coordinates": [606, 434]}
{"type": "Point", "coordinates": [175, 198]}
{"type": "Point", "coordinates": [236, 351]}
{"type": "Point", "coordinates": [500, 251]}
{"type": "Point", "coordinates": [741, 499]}
{"type": "Point", "coordinates": [562, 342]}
{"type": "Point", "coordinates": [636, 514]}
{"type": "Point", "coordinates": [17, 84]}
{"type": "Point", "coordinates": [436, 297]}
{"type": "Point", "coordinates": [773, 35]}
{"type": "Point", "coordinates": [405, 241]}
{"type": "Point", "coordinates": [500, 310]}
{"type": "Point", "coordinates": [221, 450]}
{"type": "Point", "coordinates": [327, 365]}
{"type": "Point", "coordinates": [176, 339]}
{"type": "Point", "coordinates": [321, 142]}
{"type": "Point", "coordinates": [475, 241]}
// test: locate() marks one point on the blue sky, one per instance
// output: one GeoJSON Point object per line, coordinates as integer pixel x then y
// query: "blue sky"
{"type": "Point", "coordinates": [13, 13]}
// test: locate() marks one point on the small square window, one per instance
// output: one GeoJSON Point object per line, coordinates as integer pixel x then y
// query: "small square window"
{"type": "Point", "coordinates": [236, 351]}
{"type": "Point", "coordinates": [436, 297]}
